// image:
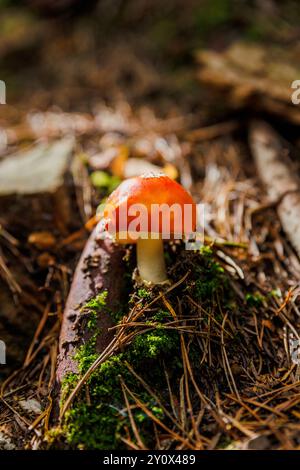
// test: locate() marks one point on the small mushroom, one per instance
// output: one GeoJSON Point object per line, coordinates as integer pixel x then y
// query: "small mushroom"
{"type": "Point", "coordinates": [146, 210]}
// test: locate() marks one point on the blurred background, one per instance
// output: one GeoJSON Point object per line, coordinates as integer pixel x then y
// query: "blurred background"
{"type": "Point", "coordinates": [98, 91]}
{"type": "Point", "coordinates": [71, 53]}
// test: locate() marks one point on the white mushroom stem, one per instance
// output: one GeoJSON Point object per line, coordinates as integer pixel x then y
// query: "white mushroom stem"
{"type": "Point", "coordinates": [151, 261]}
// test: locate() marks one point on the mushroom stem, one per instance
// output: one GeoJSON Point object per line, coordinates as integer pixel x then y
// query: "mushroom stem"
{"type": "Point", "coordinates": [151, 261]}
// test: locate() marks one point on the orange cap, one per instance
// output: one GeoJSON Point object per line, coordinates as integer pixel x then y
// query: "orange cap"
{"type": "Point", "coordinates": [154, 204]}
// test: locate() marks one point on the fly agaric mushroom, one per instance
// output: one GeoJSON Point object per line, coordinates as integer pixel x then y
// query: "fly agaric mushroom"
{"type": "Point", "coordinates": [146, 210]}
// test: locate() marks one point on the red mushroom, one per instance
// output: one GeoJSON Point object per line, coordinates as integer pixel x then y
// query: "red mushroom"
{"type": "Point", "coordinates": [147, 210]}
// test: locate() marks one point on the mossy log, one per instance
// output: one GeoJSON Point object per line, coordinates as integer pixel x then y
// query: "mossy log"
{"type": "Point", "coordinates": [100, 270]}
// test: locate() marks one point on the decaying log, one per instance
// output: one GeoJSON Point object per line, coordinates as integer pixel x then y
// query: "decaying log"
{"type": "Point", "coordinates": [277, 173]}
{"type": "Point", "coordinates": [100, 268]}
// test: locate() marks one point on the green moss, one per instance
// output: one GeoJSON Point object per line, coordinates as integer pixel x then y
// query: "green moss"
{"type": "Point", "coordinates": [161, 315]}
{"type": "Point", "coordinates": [117, 314]}
{"type": "Point", "coordinates": [209, 277]}
{"type": "Point", "coordinates": [276, 293]}
{"type": "Point", "coordinates": [144, 293]}
{"type": "Point", "coordinates": [103, 180]}
{"type": "Point", "coordinates": [85, 354]}
{"type": "Point", "coordinates": [98, 418]}
{"type": "Point", "coordinates": [95, 425]}
{"type": "Point", "coordinates": [97, 302]}
{"type": "Point", "coordinates": [92, 321]}
{"type": "Point", "coordinates": [94, 307]}
{"type": "Point", "coordinates": [254, 300]}
{"type": "Point", "coordinates": [100, 423]}
{"type": "Point", "coordinates": [68, 383]}
{"type": "Point", "coordinates": [157, 342]}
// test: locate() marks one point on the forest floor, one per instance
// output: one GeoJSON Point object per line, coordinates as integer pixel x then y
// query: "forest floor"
{"type": "Point", "coordinates": [125, 87]}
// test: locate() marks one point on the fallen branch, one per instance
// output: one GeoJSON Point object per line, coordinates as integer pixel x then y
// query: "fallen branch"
{"type": "Point", "coordinates": [281, 181]}
{"type": "Point", "coordinates": [100, 268]}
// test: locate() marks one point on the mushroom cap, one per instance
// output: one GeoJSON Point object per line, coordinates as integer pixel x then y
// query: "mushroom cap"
{"type": "Point", "coordinates": [144, 192]}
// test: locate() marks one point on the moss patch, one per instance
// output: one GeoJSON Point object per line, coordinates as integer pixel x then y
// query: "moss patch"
{"type": "Point", "coordinates": [209, 277]}
{"type": "Point", "coordinates": [100, 422]}
{"type": "Point", "coordinates": [93, 307]}
{"type": "Point", "coordinates": [145, 368]}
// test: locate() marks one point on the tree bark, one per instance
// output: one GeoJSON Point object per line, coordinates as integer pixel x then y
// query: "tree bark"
{"type": "Point", "coordinates": [280, 178]}
{"type": "Point", "coordinates": [100, 268]}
